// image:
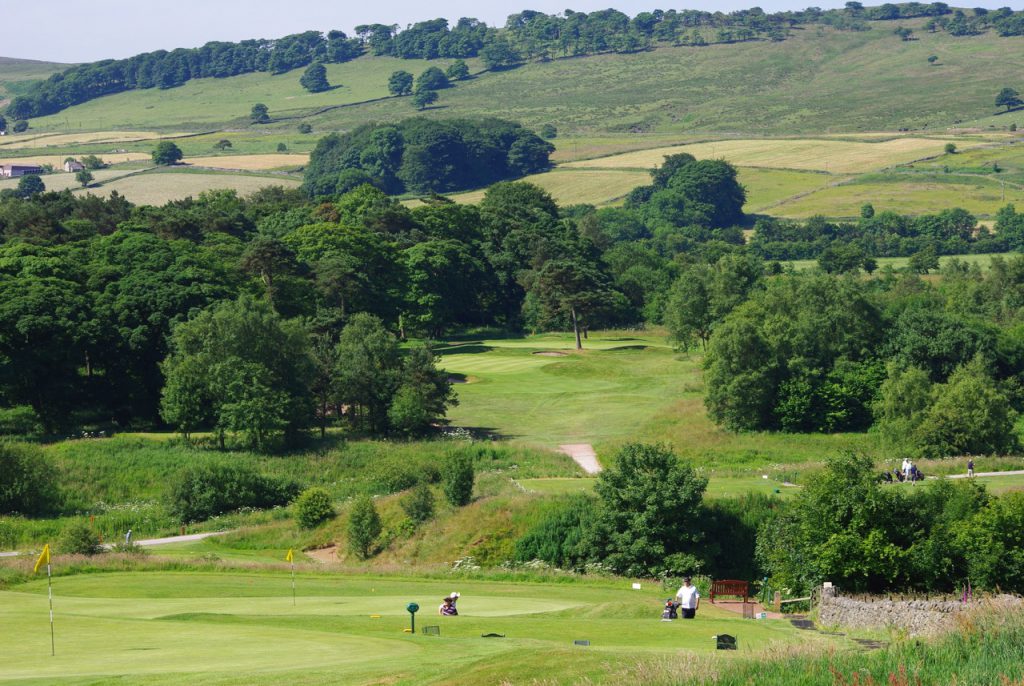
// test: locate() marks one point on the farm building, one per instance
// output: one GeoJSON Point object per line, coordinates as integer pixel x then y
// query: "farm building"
{"type": "Point", "coordinates": [13, 171]}
{"type": "Point", "coordinates": [73, 166]}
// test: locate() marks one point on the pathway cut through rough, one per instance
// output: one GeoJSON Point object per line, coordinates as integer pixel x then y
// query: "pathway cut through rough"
{"type": "Point", "coordinates": [584, 456]}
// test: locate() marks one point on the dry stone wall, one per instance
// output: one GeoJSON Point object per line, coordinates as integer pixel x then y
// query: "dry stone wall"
{"type": "Point", "coordinates": [914, 616]}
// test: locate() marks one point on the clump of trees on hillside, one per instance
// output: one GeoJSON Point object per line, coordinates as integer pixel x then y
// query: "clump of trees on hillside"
{"type": "Point", "coordinates": [425, 156]}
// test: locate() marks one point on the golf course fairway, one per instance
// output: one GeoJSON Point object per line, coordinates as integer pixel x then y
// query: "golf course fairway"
{"type": "Point", "coordinates": [241, 627]}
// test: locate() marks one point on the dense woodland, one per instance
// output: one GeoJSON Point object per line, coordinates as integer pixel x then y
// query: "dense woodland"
{"type": "Point", "coordinates": [117, 315]}
{"type": "Point", "coordinates": [526, 36]}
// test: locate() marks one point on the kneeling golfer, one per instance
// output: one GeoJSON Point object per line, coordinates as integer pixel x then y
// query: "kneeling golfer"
{"type": "Point", "coordinates": [689, 599]}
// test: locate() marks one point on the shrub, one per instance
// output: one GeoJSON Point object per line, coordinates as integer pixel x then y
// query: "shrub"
{"type": "Point", "coordinates": [363, 527]}
{"type": "Point", "coordinates": [305, 127]}
{"type": "Point", "coordinates": [18, 421]}
{"type": "Point", "coordinates": [28, 480]}
{"type": "Point", "coordinates": [203, 491]}
{"type": "Point", "coordinates": [20, 126]}
{"type": "Point", "coordinates": [79, 539]}
{"type": "Point", "coordinates": [418, 504]}
{"type": "Point", "coordinates": [562, 536]}
{"type": "Point", "coordinates": [313, 507]}
{"type": "Point", "coordinates": [392, 476]}
{"type": "Point", "coordinates": [457, 477]}
{"type": "Point", "coordinates": [950, 148]}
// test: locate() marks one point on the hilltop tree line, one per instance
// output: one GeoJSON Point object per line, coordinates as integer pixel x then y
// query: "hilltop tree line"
{"type": "Point", "coordinates": [527, 35]}
{"type": "Point", "coordinates": [425, 156]}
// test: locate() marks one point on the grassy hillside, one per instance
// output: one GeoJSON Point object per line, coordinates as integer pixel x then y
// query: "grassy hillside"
{"type": "Point", "coordinates": [819, 81]}
{"type": "Point", "coordinates": [14, 72]}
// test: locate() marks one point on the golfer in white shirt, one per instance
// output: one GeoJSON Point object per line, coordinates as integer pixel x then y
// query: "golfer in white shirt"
{"type": "Point", "coordinates": [689, 599]}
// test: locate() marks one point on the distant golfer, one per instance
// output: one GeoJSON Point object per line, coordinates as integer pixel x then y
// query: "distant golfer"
{"type": "Point", "coordinates": [689, 599]}
{"type": "Point", "coordinates": [970, 467]}
{"type": "Point", "coordinates": [447, 607]}
{"type": "Point", "coordinates": [128, 537]}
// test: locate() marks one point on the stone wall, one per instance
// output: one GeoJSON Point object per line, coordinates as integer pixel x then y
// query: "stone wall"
{"type": "Point", "coordinates": [914, 616]}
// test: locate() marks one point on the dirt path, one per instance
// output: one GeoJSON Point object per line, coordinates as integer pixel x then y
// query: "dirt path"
{"type": "Point", "coordinates": [146, 542]}
{"type": "Point", "coordinates": [964, 476]}
{"type": "Point", "coordinates": [584, 455]}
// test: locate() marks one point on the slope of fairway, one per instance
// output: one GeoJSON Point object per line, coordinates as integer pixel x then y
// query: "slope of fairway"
{"type": "Point", "coordinates": [625, 386]}
{"type": "Point", "coordinates": [205, 101]}
{"type": "Point", "coordinates": [242, 628]}
{"type": "Point", "coordinates": [160, 188]}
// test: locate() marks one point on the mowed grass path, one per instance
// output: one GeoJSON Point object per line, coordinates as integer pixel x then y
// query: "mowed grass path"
{"type": "Point", "coordinates": [625, 386]}
{"type": "Point", "coordinates": [237, 627]}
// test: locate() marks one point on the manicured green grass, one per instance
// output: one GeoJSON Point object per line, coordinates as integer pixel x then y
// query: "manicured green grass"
{"type": "Point", "coordinates": [625, 386]}
{"type": "Point", "coordinates": [238, 627]}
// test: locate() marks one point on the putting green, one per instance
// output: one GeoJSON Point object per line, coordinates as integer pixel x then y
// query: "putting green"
{"type": "Point", "coordinates": [167, 627]}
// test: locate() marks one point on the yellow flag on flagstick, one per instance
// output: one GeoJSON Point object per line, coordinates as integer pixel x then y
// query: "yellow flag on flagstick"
{"type": "Point", "coordinates": [44, 558]}
{"type": "Point", "coordinates": [288, 558]}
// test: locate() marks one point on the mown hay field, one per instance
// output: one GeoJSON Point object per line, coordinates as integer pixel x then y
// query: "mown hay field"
{"type": "Point", "coordinates": [250, 162]}
{"type": "Point", "coordinates": [575, 186]}
{"type": "Point", "coordinates": [160, 188]}
{"type": "Point", "coordinates": [57, 161]}
{"type": "Point", "coordinates": [49, 140]}
{"type": "Point", "coordinates": [64, 181]}
{"type": "Point", "coordinates": [836, 156]}
{"type": "Point", "coordinates": [905, 194]}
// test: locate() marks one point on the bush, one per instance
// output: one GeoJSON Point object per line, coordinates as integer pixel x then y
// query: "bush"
{"type": "Point", "coordinates": [457, 477]}
{"type": "Point", "coordinates": [392, 476]}
{"type": "Point", "coordinates": [79, 539]}
{"type": "Point", "coordinates": [313, 507]}
{"type": "Point", "coordinates": [562, 536]}
{"type": "Point", "coordinates": [305, 127]}
{"type": "Point", "coordinates": [363, 527]}
{"type": "Point", "coordinates": [20, 126]}
{"type": "Point", "coordinates": [28, 480]}
{"type": "Point", "coordinates": [18, 421]}
{"type": "Point", "coordinates": [204, 491]}
{"type": "Point", "coordinates": [418, 504]}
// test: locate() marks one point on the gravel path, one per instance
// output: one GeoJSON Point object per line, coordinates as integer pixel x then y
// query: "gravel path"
{"type": "Point", "coordinates": [147, 542]}
{"type": "Point", "coordinates": [964, 476]}
{"type": "Point", "coordinates": [584, 455]}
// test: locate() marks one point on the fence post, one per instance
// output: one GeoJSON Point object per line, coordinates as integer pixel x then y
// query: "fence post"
{"type": "Point", "coordinates": [778, 601]}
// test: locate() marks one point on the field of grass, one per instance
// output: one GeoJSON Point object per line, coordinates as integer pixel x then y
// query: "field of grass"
{"type": "Point", "coordinates": [63, 181]}
{"type": "Point", "coordinates": [162, 187]}
{"type": "Point", "coordinates": [984, 261]}
{"type": "Point", "coordinates": [202, 102]}
{"type": "Point", "coordinates": [906, 194]}
{"type": "Point", "coordinates": [14, 72]}
{"type": "Point", "coordinates": [624, 386]}
{"type": "Point", "coordinates": [32, 139]}
{"type": "Point", "coordinates": [574, 186]}
{"type": "Point", "coordinates": [241, 627]}
{"type": "Point", "coordinates": [819, 81]}
{"type": "Point", "coordinates": [57, 160]}
{"type": "Point", "coordinates": [808, 154]}
{"type": "Point", "coordinates": [250, 162]}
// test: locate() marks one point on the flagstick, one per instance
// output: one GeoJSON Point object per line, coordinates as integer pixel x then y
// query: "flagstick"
{"type": "Point", "coordinates": [293, 582]}
{"type": "Point", "coordinates": [49, 592]}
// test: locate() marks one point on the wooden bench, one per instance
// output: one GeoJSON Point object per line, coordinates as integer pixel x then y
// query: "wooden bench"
{"type": "Point", "coordinates": [730, 587]}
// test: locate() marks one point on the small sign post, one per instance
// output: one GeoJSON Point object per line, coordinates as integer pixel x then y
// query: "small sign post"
{"type": "Point", "coordinates": [413, 608]}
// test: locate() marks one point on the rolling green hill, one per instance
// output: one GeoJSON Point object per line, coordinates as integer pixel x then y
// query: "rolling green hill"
{"type": "Point", "coordinates": [820, 80]}
{"type": "Point", "coordinates": [15, 72]}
